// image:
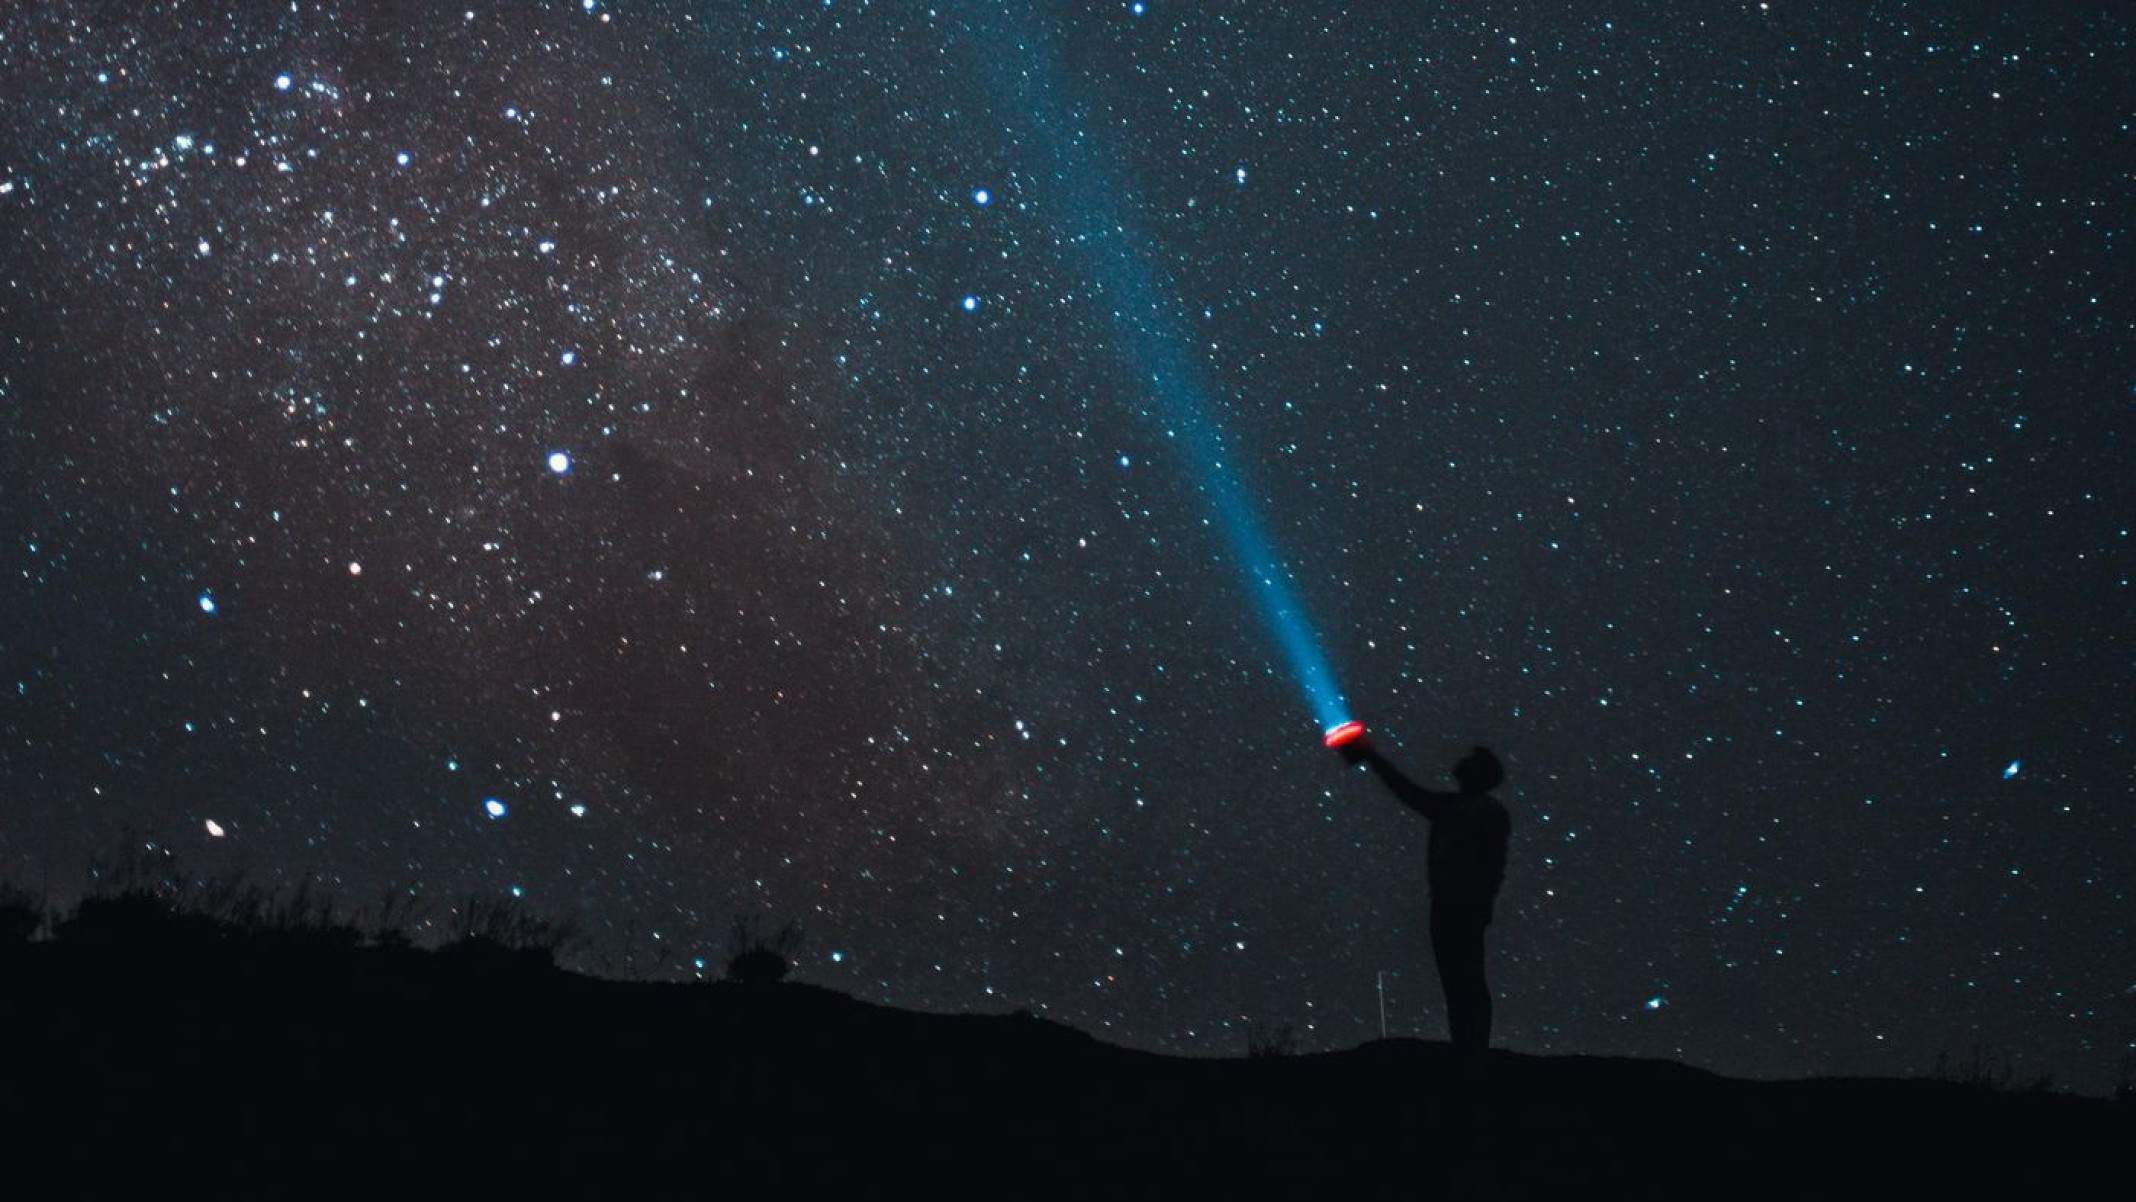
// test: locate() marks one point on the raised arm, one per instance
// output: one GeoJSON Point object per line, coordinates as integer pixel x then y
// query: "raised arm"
{"type": "Point", "coordinates": [1428, 802]}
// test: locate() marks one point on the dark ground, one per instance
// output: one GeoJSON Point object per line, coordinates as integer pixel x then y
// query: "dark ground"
{"type": "Point", "coordinates": [247, 1069]}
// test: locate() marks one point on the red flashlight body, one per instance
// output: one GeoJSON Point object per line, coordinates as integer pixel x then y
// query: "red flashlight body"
{"type": "Point", "coordinates": [1347, 732]}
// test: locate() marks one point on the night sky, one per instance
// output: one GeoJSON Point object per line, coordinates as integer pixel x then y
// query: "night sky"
{"type": "Point", "coordinates": [686, 459]}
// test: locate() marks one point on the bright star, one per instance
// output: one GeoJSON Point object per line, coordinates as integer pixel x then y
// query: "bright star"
{"type": "Point", "coordinates": [215, 828]}
{"type": "Point", "coordinates": [559, 462]}
{"type": "Point", "coordinates": [980, 196]}
{"type": "Point", "coordinates": [971, 304]}
{"type": "Point", "coordinates": [2010, 771]}
{"type": "Point", "coordinates": [494, 808]}
{"type": "Point", "coordinates": [207, 604]}
{"type": "Point", "coordinates": [281, 83]}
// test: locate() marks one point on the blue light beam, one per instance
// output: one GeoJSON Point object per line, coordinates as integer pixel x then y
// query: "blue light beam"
{"type": "Point", "coordinates": [1153, 333]}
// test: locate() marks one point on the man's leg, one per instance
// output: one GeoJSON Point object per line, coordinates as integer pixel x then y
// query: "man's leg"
{"type": "Point", "coordinates": [1457, 946]}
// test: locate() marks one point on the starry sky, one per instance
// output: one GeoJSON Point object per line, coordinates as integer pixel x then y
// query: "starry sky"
{"type": "Point", "coordinates": [673, 460]}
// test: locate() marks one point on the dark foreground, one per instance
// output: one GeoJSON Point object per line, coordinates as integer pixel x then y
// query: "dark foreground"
{"type": "Point", "coordinates": [401, 1073]}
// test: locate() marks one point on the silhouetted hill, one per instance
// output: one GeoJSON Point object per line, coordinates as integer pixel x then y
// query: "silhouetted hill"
{"type": "Point", "coordinates": [246, 1066]}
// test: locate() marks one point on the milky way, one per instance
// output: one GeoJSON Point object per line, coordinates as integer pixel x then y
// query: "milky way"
{"type": "Point", "coordinates": [673, 461]}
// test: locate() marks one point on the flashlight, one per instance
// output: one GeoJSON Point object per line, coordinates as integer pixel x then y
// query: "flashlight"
{"type": "Point", "coordinates": [1347, 732]}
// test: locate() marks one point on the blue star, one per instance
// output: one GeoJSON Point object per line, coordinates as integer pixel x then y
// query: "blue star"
{"type": "Point", "coordinates": [982, 197]}
{"type": "Point", "coordinates": [207, 603]}
{"type": "Point", "coordinates": [971, 303]}
{"type": "Point", "coordinates": [559, 462]}
{"type": "Point", "coordinates": [2010, 770]}
{"type": "Point", "coordinates": [494, 808]}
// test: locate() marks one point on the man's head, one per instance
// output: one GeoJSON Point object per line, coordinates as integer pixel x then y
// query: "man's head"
{"type": "Point", "coordinates": [1479, 771]}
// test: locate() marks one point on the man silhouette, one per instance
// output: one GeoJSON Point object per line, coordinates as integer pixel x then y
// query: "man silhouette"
{"type": "Point", "coordinates": [1467, 861]}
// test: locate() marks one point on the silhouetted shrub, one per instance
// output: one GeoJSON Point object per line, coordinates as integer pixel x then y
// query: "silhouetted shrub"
{"type": "Point", "coordinates": [1985, 1069]}
{"type": "Point", "coordinates": [397, 909]}
{"type": "Point", "coordinates": [21, 914]}
{"type": "Point", "coordinates": [137, 865]}
{"type": "Point", "coordinates": [754, 959]}
{"type": "Point", "coordinates": [499, 933]}
{"type": "Point", "coordinates": [137, 918]}
{"type": "Point", "coordinates": [1264, 1041]}
{"type": "Point", "coordinates": [619, 957]}
{"type": "Point", "coordinates": [139, 894]}
{"type": "Point", "coordinates": [305, 920]}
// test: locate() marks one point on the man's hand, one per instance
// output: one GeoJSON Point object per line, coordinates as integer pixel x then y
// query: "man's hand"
{"type": "Point", "coordinates": [1355, 752]}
